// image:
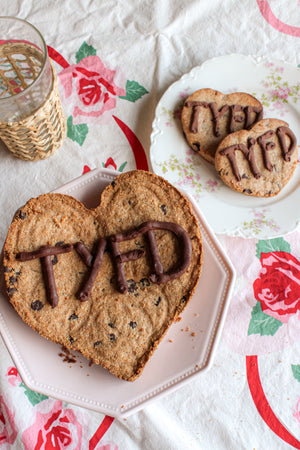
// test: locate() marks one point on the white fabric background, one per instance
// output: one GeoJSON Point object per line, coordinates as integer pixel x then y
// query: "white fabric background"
{"type": "Point", "coordinates": [154, 42]}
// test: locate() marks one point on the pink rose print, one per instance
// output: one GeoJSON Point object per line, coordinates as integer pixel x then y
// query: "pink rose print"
{"type": "Point", "coordinates": [58, 429]}
{"type": "Point", "coordinates": [106, 446]}
{"type": "Point", "coordinates": [91, 89]}
{"type": "Point", "coordinates": [296, 413]}
{"type": "Point", "coordinates": [278, 286]}
{"type": "Point", "coordinates": [8, 432]}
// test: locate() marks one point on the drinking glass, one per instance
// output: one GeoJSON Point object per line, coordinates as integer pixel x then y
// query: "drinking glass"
{"type": "Point", "coordinates": [32, 122]}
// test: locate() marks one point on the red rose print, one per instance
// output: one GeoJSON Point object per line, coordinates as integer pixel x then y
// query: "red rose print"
{"type": "Point", "coordinates": [8, 432]}
{"type": "Point", "coordinates": [278, 286]}
{"type": "Point", "coordinates": [110, 162]}
{"type": "Point", "coordinates": [13, 376]}
{"type": "Point", "coordinates": [58, 429]}
{"type": "Point", "coordinates": [91, 89]}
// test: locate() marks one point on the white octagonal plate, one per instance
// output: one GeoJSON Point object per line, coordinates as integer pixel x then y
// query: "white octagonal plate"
{"type": "Point", "coordinates": [185, 352]}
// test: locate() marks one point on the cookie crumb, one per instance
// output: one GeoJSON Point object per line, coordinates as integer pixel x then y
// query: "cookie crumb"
{"type": "Point", "coordinates": [193, 333]}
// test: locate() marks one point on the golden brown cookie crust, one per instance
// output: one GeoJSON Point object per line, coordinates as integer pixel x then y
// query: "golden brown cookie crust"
{"type": "Point", "coordinates": [118, 331]}
{"type": "Point", "coordinates": [203, 138]}
{"type": "Point", "coordinates": [271, 181]}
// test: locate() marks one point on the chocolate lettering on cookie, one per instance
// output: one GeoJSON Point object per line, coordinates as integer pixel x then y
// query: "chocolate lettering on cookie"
{"type": "Point", "coordinates": [86, 291]}
{"type": "Point", "coordinates": [44, 253]}
{"type": "Point", "coordinates": [217, 115]}
{"type": "Point", "coordinates": [251, 115]}
{"type": "Point", "coordinates": [45, 250]}
{"type": "Point", "coordinates": [286, 151]}
{"type": "Point", "coordinates": [248, 152]}
{"type": "Point", "coordinates": [158, 276]}
{"type": "Point", "coordinates": [84, 253]}
{"type": "Point", "coordinates": [266, 146]}
{"type": "Point", "coordinates": [234, 118]}
{"type": "Point", "coordinates": [121, 278]}
{"type": "Point", "coordinates": [49, 279]}
{"type": "Point", "coordinates": [195, 115]}
{"type": "Point", "coordinates": [132, 255]}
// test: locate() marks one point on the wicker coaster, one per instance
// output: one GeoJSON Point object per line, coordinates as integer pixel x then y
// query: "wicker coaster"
{"type": "Point", "coordinates": [41, 134]}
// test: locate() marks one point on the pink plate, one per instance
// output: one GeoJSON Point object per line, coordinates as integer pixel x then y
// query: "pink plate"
{"type": "Point", "coordinates": [186, 351]}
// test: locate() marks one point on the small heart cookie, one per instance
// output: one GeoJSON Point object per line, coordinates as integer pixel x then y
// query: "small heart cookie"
{"type": "Point", "coordinates": [258, 162]}
{"type": "Point", "coordinates": [208, 116]}
{"type": "Point", "coordinates": [106, 282]}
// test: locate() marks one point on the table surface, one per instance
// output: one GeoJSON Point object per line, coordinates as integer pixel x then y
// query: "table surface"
{"type": "Point", "coordinates": [250, 397]}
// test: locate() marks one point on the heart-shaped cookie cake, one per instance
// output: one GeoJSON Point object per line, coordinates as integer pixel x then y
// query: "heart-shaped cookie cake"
{"type": "Point", "coordinates": [106, 282]}
{"type": "Point", "coordinates": [208, 116]}
{"type": "Point", "coordinates": [258, 162]}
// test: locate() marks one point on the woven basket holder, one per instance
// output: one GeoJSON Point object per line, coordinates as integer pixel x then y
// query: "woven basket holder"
{"type": "Point", "coordinates": [41, 134]}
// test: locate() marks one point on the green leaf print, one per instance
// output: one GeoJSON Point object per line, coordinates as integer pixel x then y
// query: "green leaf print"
{"type": "Point", "coordinates": [272, 245]}
{"type": "Point", "coordinates": [296, 371]}
{"type": "Point", "coordinates": [84, 51]}
{"type": "Point", "coordinates": [77, 132]}
{"type": "Point", "coordinates": [122, 166]}
{"type": "Point", "coordinates": [134, 91]}
{"type": "Point", "coordinates": [33, 397]}
{"type": "Point", "coordinates": [261, 323]}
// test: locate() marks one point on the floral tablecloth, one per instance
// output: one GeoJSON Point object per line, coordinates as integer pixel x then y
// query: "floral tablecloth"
{"type": "Point", "coordinates": [114, 61]}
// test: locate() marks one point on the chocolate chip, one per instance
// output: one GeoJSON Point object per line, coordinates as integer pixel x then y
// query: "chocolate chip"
{"type": "Point", "coordinates": [144, 282]}
{"type": "Point", "coordinates": [247, 191]}
{"type": "Point", "coordinates": [164, 209]}
{"type": "Point", "coordinates": [157, 301]}
{"type": "Point", "coordinates": [7, 269]}
{"type": "Point", "coordinates": [112, 337]}
{"type": "Point", "coordinates": [73, 317]}
{"type": "Point", "coordinates": [97, 343]}
{"type": "Point", "coordinates": [22, 215]}
{"type": "Point", "coordinates": [36, 305]}
{"type": "Point", "coordinates": [131, 286]}
{"type": "Point", "coordinates": [245, 176]}
{"type": "Point", "coordinates": [71, 339]}
{"type": "Point", "coordinates": [59, 243]}
{"type": "Point", "coordinates": [183, 299]}
{"type": "Point", "coordinates": [111, 325]}
{"type": "Point", "coordinates": [54, 260]}
{"type": "Point", "coordinates": [12, 280]}
{"type": "Point", "coordinates": [132, 324]}
{"type": "Point", "coordinates": [113, 183]}
{"type": "Point", "coordinates": [139, 244]}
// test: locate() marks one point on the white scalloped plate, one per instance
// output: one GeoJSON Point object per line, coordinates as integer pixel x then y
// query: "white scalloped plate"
{"type": "Point", "coordinates": [185, 352]}
{"type": "Point", "coordinates": [277, 85]}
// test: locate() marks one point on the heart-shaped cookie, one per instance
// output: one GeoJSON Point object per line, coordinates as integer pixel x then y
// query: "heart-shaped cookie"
{"type": "Point", "coordinates": [106, 282]}
{"type": "Point", "coordinates": [258, 162]}
{"type": "Point", "coordinates": [208, 116]}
